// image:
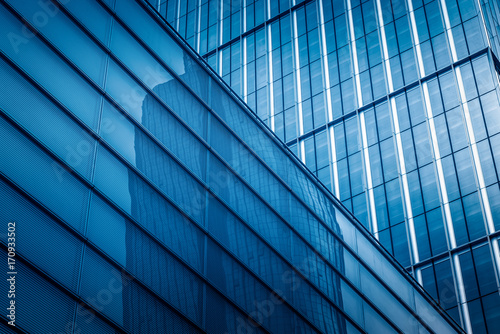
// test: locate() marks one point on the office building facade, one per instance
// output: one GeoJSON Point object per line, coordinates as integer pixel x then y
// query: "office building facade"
{"type": "Point", "coordinates": [394, 106]}
{"type": "Point", "coordinates": [145, 197]}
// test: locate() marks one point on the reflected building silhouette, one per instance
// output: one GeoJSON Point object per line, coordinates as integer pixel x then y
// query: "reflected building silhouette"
{"type": "Point", "coordinates": [146, 206]}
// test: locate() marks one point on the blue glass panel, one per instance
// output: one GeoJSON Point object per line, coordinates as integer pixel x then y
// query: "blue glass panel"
{"type": "Point", "coordinates": [388, 153]}
{"type": "Point", "coordinates": [492, 311]}
{"type": "Point", "coordinates": [446, 289]}
{"type": "Point", "coordinates": [42, 177]}
{"type": "Point", "coordinates": [469, 275]}
{"type": "Point", "coordinates": [35, 233]}
{"type": "Point", "coordinates": [429, 187]}
{"type": "Point", "coordinates": [437, 234]}
{"type": "Point", "coordinates": [56, 76]}
{"type": "Point", "coordinates": [49, 309]}
{"type": "Point", "coordinates": [490, 108]}
{"type": "Point", "coordinates": [465, 171]}
{"type": "Point", "coordinates": [49, 124]}
{"type": "Point", "coordinates": [474, 216]}
{"type": "Point", "coordinates": [93, 16]}
{"type": "Point", "coordinates": [65, 35]}
{"type": "Point", "coordinates": [117, 295]}
{"type": "Point", "coordinates": [484, 269]}
{"type": "Point", "coordinates": [163, 45]}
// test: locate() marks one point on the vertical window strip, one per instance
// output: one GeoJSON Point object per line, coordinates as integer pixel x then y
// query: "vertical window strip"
{"type": "Point", "coordinates": [221, 22]}
{"type": "Point", "coordinates": [462, 295]}
{"type": "Point", "coordinates": [439, 167]}
{"type": "Point", "coordinates": [431, 125]}
{"type": "Point", "coordinates": [477, 165]}
{"type": "Point", "coordinates": [219, 56]}
{"type": "Point", "coordinates": [384, 47]}
{"type": "Point", "coordinates": [475, 153]}
{"type": "Point", "coordinates": [404, 181]}
{"type": "Point", "coordinates": [496, 255]}
{"type": "Point", "coordinates": [416, 41]}
{"type": "Point", "coordinates": [369, 182]}
{"type": "Point", "coordinates": [245, 71]}
{"type": "Point", "coordinates": [178, 15]}
{"type": "Point", "coordinates": [198, 32]}
{"type": "Point", "coordinates": [297, 72]}
{"type": "Point", "coordinates": [270, 86]}
{"type": "Point", "coordinates": [366, 156]}
{"type": "Point", "coordinates": [449, 33]}
{"type": "Point", "coordinates": [333, 153]}
{"type": "Point", "coordinates": [446, 206]}
{"type": "Point", "coordinates": [298, 87]}
{"type": "Point", "coordinates": [326, 68]}
{"type": "Point", "coordinates": [485, 30]}
{"type": "Point", "coordinates": [419, 277]}
{"type": "Point", "coordinates": [244, 15]}
{"type": "Point", "coordinates": [269, 8]}
{"type": "Point", "coordinates": [303, 151]}
{"type": "Point", "coordinates": [326, 72]}
{"type": "Point", "coordinates": [354, 55]}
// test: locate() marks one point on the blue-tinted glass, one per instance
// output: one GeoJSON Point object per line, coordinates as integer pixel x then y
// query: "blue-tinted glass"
{"type": "Point", "coordinates": [409, 66]}
{"type": "Point", "coordinates": [456, 129]}
{"type": "Point", "coordinates": [383, 117]}
{"type": "Point", "coordinates": [403, 33]}
{"type": "Point", "coordinates": [417, 204]}
{"type": "Point", "coordinates": [450, 177]}
{"type": "Point", "coordinates": [345, 191]}
{"type": "Point", "coordinates": [469, 276]}
{"type": "Point", "coordinates": [465, 172]}
{"type": "Point", "coordinates": [483, 74]}
{"type": "Point", "coordinates": [474, 216]}
{"type": "Point", "coordinates": [34, 235]}
{"type": "Point", "coordinates": [433, 18]}
{"type": "Point", "coordinates": [441, 54]}
{"type": "Point", "coordinates": [389, 163]}
{"type": "Point", "coordinates": [359, 208]}
{"type": "Point", "coordinates": [449, 90]}
{"type": "Point", "coordinates": [373, 44]}
{"type": "Point", "coordinates": [378, 81]}
{"type": "Point", "coordinates": [468, 81]}
{"type": "Point", "coordinates": [352, 138]}
{"type": "Point", "coordinates": [446, 289]}
{"type": "Point", "coordinates": [487, 166]}
{"type": "Point", "coordinates": [494, 198]}
{"type": "Point", "coordinates": [356, 173]}
{"type": "Point", "coordinates": [394, 202]}
{"type": "Point", "coordinates": [474, 36]}
{"type": "Point", "coordinates": [476, 316]}
{"type": "Point", "coordinates": [460, 42]}
{"type": "Point", "coordinates": [420, 19]}
{"type": "Point", "coordinates": [424, 250]}
{"type": "Point", "coordinates": [435, 97]}
{"type": "Point", "coordinates": [375, 165]}
{"type": "Point", "coordinates": [321, 149]}
{"type": "Point", "coordinates": [489, 103]}
{"type": "Point", "coordinates": [429, 187]}
{"type": "Point", "coordinates": [492, 311]}
{"type": "Point", "coordinates": [443, 138]}
{"type": "Point", "coordinates": [400, 244]}
{"type": "Point", "coordinates": [429, 281]}
{"type": "Point", "coordinates": [42, 177]}
{"type": "Point", "coordinates": [484, 269]}
{"type": "Point", "coordinates": [437, 234]}
{"type": "Point", "coordinates": [408, 150]}
{"type": "Point", "coordinates": [381, 207]}
{"type": "Point", "coordinates": [422, 144]}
